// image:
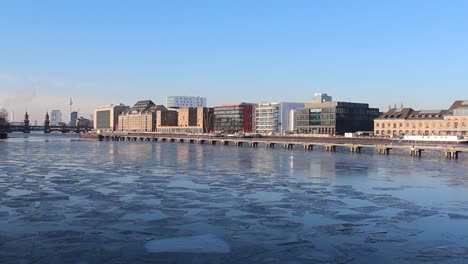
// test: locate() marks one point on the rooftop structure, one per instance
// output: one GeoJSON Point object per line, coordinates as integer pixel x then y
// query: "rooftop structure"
{"type": "Point", "coordinates": [321, 98]}
{"type": "Point", "coordinates": [185, 101]}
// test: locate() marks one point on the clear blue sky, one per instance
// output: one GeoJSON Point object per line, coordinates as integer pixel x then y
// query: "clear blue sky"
{"type": "Point", "coordinates": [99, 52]}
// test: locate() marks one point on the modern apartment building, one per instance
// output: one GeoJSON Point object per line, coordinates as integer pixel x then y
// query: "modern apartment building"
{"type": "Point", "coordinates": [140, 117]}
{"type": "Point", "coordinates": [107, 117]}
{"type": "Point", "coordinates": [185, 101]}
{"type": "Point", "coordinates": [234, 118]}
{"type": "Point", "coordinates": [189, 120]}
{"type": "Point", "coordinates": [335, 118]}
{"type": "Point", "coordinates": [274, 118]}
{"type": "Point", "coordinates": [442, 122]}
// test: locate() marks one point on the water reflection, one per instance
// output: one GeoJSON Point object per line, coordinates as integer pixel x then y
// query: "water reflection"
{"type": "Point", "coordinates": [89, 201]}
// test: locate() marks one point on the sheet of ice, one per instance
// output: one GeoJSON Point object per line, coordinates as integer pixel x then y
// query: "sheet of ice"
{"type": "Point", "coordinates": [192, 244]}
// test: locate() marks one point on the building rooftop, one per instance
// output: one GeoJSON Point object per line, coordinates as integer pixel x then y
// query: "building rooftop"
{"type": "Point", "coordinates": [233, 105]}
{"type": "Point", "coordinates": [144, 106]}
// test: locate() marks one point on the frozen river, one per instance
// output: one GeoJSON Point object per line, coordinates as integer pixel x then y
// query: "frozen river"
{"type": "Point", "coordinates": [68, 201]}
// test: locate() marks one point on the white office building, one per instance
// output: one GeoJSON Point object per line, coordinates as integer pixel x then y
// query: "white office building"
{"type": "Point", "coordinates": [185, 101]}
{"type": "Point", "coordinates": [275, 118]}
{"type": "Point", "coordinates": [55, 117]}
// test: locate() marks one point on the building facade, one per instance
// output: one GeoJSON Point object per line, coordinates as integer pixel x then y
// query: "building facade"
{"type": "Point", "coordinates": [73, 118]}
{"type": "Point", "coordinates": [84, 122]}
{"type": "Point", "coordinates": [185, 101]}
{"type": "Point", "coordinates": [274, 118]}
{"type": "Point", "coordinates": [189, 120]}
{"type": "Point", "coordinates": [140, 117]}
{"type": "Point", "coordinates": [234, 118]}
{"type": "Point", "coordinates": [335, 118]}
{"type": "Point", "coordinates": [55, 117]}
{"type": "Point", "coordinates": [166, 118]}
{"type": "Point", "coordinates": [397, 122]}
{"type": "Point", "coordinates": [107, 117]}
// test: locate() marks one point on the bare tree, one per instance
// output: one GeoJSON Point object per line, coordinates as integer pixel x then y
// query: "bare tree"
{"type": "Point", "coordinates": [3, 116]}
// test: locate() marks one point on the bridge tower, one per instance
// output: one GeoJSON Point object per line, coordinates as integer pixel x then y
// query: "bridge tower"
{"type": "Point", "coordinates": [27, 128]}
{"type": "Point", "coordinates": [47, 124]}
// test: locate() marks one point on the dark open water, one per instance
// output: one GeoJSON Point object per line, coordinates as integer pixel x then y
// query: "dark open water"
{"type": "Point", "coordinates": [69, 201]}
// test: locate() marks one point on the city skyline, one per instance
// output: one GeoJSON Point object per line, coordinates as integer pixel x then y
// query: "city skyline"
{"type": "Point", "coordinates": [412, 53]}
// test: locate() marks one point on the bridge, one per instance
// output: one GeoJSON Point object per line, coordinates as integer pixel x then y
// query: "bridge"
{"type": "Point", "coordinates": [24, 127]}
{"type": "Point", "coordinates": [450, 152]}
{"type": "Point", "coordinates": [46, 129]}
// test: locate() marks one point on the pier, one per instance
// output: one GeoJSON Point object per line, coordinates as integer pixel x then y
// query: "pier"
{"type": "Point", "coordinates": [450, 152]}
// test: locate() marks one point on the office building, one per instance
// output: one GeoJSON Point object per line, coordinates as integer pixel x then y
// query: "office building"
{"type": "Point", "coordinates": [234, 118]}
{"type": "Point", "coordinates": [274, 118]}
{"type": "Point", "coordinates": [84, 122]}
{"type": "Point", "coordinates": [335, 118]}
{"type": "Point", "coordinates": [73, 118]}
{"type": "Point", "coordinates": [406, 121]}
{"type": "Point", "coordinates": [107, 117]}
{"type": "Point", "coordinates": [55, 117]}
{"type": "Point", "coordinates": [185, 101]}
{"type": "Point", "coordinates": [189, 120]}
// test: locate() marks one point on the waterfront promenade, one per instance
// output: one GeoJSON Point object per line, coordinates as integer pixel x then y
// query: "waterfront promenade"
{"type": "Point", "coordinates": [331, 144]}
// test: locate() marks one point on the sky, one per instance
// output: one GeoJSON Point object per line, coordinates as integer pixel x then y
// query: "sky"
{"type": "Point", "coordinates": [383, 53]}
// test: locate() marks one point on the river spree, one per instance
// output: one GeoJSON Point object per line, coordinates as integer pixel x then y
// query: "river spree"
{"type": "Point", "coordinates": [65, 200]}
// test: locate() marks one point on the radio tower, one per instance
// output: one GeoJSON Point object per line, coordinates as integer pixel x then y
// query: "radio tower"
{"type": "Point", "coordinates": [70, 103]}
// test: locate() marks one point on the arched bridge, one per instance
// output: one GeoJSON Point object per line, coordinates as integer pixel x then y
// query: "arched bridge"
{"type": "Point", "coordinates": [9, 128]}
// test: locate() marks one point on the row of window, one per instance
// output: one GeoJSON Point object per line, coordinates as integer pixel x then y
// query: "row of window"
{"type": "Point", "coordinates": [420, 133]}
{"type": "Point", "coordinates": [420, 124]}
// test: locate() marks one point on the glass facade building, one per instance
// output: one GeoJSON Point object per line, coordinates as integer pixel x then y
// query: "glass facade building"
{"type": "Point", "coordinates": [274, 118]}
{"type": "Point", "coordinates": [267, 118]}
{"type": "Point", "coordinates": [335, 118]}
{"type": "Point", "coordinates": [236, 118]}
